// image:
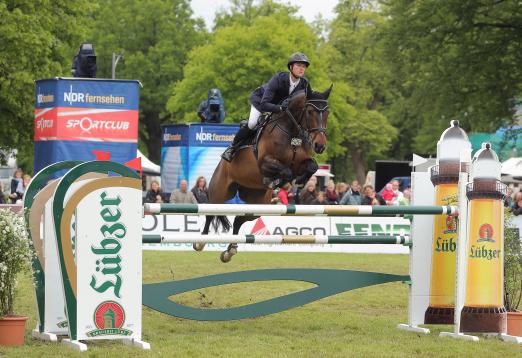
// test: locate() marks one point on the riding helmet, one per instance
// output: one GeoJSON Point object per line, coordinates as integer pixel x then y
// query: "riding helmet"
{"type": "Point", "coordinates": [298, 57]}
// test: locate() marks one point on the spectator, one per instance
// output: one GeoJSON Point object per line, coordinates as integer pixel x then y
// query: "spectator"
{"type": "Point", "coordinates": [353, 195]}
{"type": "Point", "coordinates": [370, 197]}
{"type": "Point", "coordinates": [154, 194]}
{"type": "Point", "coordinates": [320, 199]}
{"type": "Point", "coordinates": [181, 195]}
{"type": "Point", "coordinates": [200, 190]}
{"type": "Point", "coordinates": [341, 189]}
{"type": "Point", "coordinates": [308, 193]}
{"type": "Point", "coordinates": [406, 198]}
{"type": "Point", "coordinates": [398, 194]}
{"type": "Point", "coordinates": [508, 200]}
{"type": "Point", "coordinates": [330, 194]}
{"type": "Point", "coordinates": [22, 187]}
{"type": "Point", "coordinates": [292, 195]}
{"type": "Point", "coordinates": [283, 193]}
{"type": "Point", "coordinates": [15, 183]}
{"type": "Point", "coordinates": [517, 207]}
{"type": "Point", "coordinates": [388, 194]}
{"type": "Point", "coordinates": [2, 198]}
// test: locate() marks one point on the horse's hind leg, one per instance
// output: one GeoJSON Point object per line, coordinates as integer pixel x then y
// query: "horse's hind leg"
{"type": "Point", "coordinates": [250, 197]}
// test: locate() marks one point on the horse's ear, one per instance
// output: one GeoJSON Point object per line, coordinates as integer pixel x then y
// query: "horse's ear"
{"type": "Point", "coordinates": [321, 95]}
{"type": "Point", "coordinates": [326, 93]}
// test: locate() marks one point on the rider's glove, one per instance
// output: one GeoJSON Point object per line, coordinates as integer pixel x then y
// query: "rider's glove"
{"type": "Point", "coordinates": [284, 105]}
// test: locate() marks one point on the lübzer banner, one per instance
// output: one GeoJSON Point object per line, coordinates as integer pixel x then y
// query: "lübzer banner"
{"type": "Point", "coordinates": [108, 234]}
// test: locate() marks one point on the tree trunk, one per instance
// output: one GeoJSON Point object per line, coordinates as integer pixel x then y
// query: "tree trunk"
{"type": "Point", "coordinates": [152, 125]}
{"type": "Point", "coordinates": [358, 165]}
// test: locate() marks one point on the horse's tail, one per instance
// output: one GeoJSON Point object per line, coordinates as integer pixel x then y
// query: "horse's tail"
{"type": "Point", "coordinates": [225, 223]}
{"type": "Point", "coordinates": [215, 221]}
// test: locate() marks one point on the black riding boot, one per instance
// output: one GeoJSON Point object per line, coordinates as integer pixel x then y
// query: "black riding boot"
{"type": "Point", "coordinates": [242, 135]}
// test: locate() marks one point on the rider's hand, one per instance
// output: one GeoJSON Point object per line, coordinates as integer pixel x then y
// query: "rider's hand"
{"type": "Point", "coordinates": [284, 105]}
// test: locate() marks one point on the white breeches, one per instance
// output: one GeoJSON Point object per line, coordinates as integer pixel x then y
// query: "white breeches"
{"type": "Point", "coordinates": [254, 117]}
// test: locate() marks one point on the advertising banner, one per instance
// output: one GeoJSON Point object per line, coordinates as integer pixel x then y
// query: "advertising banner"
{"type": "Point", "coordinates": [192, 150]}
{"type": "Point", "coordinates": [75, 116]}
{"type": "Point", "coordinates": [278, 225]}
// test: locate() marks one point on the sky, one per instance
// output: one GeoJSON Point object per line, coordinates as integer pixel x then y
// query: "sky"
{"type": "Point", "coordinates": [308, 9]}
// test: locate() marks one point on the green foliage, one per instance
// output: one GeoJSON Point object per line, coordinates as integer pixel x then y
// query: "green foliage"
{"type": "Point", "coordinates": [155, 37]}
{"type": "Point", "coordinates": [454, 60]}
{"type": "Point", "coordinates": [37, 41]}
{"type": "Point", "coordinates": [356, 56]}
{"type": "Point", "coordinates": [15, 257]}
{"type": "Point", "coordinates": [244, 12]}
{"type": "Point", "coordinates": [512, 265]}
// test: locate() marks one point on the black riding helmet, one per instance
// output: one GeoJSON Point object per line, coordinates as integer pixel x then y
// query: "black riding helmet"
{"type": "Point", "coordinates": [298, 57]}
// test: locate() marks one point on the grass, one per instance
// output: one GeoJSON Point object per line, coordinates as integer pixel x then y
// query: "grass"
{"type": "Point", "coordinates": [359, 323]}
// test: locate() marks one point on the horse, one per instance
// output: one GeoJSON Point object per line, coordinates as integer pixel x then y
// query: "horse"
{"type": "Point", "coordinates": [282, 153]}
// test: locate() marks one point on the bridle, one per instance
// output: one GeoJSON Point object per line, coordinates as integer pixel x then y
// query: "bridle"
{"type": "Point", "coordinates": [305, 133]}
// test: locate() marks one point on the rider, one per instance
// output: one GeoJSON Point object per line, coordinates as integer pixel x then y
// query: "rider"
{"type": "Point", "coordinates": [272, 97]}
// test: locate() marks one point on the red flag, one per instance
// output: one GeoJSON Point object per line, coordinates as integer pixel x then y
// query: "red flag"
{"type": "Point", "coordinates": [134, 164]}
{"type": "Point", "coordinates": [102, 155]}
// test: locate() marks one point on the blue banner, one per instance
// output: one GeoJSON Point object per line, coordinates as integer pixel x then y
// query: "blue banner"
{"type": "Point", "coordinates": [92, 93]}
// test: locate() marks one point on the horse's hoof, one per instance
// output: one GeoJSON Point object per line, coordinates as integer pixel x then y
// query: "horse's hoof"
{"type": "Point", "coordinates": [225, 257]}
{"type": "Point", "coordinates": [198, 246]}
{"type": "Point", "coordinates": [232, 249]}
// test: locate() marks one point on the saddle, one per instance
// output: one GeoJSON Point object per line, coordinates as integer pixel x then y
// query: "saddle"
{"type": "Point", "coordinates": [253, 140]}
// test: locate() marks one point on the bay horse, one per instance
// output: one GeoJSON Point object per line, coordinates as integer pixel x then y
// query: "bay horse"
{"type": "Point", "coordinates": [283, 154]}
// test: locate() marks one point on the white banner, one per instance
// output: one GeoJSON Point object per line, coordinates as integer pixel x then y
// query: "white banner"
{"type": "Point", "coordinates": [285, 225]}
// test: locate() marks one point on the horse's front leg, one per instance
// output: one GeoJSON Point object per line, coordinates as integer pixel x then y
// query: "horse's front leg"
{"type": "Point", "coordinates": [308, 168]}
{"type": "Point", "coordinates": [275, 173]}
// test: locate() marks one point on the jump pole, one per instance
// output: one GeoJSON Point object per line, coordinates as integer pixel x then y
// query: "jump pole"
{"type": "Point", "coordinates": [303, 210]}
{"type": "Point", "coordinates": [277, 239]}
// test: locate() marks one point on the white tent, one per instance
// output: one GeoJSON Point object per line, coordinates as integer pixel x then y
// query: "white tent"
{"type": "Point", "coordinates": [512, 170]}
{"type": "Point", "coordinates": [147, 166]}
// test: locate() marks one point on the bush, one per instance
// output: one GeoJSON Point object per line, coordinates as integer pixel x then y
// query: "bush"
{"type": "Point", "coordinates": [15, 256]}
{"type": "Point", "coordinates": [512, 266]}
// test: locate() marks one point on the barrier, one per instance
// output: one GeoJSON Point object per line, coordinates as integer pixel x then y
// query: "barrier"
{"type": "Point", "coordinates": [85, 200]}
{"type": "Point", "coordinates": [304, 210]}
{"type": "Point", "coordinates": [277, 239]}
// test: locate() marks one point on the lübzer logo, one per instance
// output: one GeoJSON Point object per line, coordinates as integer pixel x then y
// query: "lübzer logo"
{"type": "Point", "coordinates": [485, 233]}
{"type": "Point", "coordinates": [451, 225]}
{"type": "Point", "coordinates": [108, 261]}
{"type": "Point", "coordinates": [109, 317]}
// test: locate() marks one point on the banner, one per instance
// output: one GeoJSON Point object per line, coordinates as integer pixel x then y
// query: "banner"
{"type": "Point", "coordinates": [74, 116]}
{"type": "Point", "coordinates": [278, 225]}
{"type": "Point", "coordinates": [189, 151]}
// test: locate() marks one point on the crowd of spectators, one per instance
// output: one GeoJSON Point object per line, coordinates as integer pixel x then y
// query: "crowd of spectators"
{"type": "Point", "coordinates": [15, 194]}
{"type": "Point", "coordinates": [342, 194]}
{"type": "Point", "coordinates": [197, 195]}
{"type": "Point", "coordinates": [310, 194]}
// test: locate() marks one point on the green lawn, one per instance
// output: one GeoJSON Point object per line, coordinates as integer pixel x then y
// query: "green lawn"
{"type": "Point", "coordinates": [359, 323]}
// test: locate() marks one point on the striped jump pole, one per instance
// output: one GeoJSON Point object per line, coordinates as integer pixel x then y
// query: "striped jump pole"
{"type": "Point", "coordinates": [303, 210]}
{"type": "Point", "coordinates": [277, 239]}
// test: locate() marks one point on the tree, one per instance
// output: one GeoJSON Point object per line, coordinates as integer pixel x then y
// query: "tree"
{"type": "Point", "coordinates": [240, 58]}
{"type": "Point", "coordinates": [155, 37]}
{"type": "Point", "coordinates": [456, 59]}
{"type": "Point", "coordinates": [38, 39]}
{"type": "Point", "coordinates": [244, 12]}
{"type": "Point", "coordinates": [356, 57]}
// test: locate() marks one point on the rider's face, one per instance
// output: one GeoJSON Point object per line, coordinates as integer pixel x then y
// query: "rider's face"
{"type": "Point", "coordinates": [298, 69]}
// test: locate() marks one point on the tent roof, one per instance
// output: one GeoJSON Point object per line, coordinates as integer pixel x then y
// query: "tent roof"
{"type": "Point", "coordinates": [513, 167]}
{"type": "Point", "coordinates": [147, 166]}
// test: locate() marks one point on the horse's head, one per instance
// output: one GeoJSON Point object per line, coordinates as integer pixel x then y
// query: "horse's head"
{"type": "Point", "coordinates": [312, 117]}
